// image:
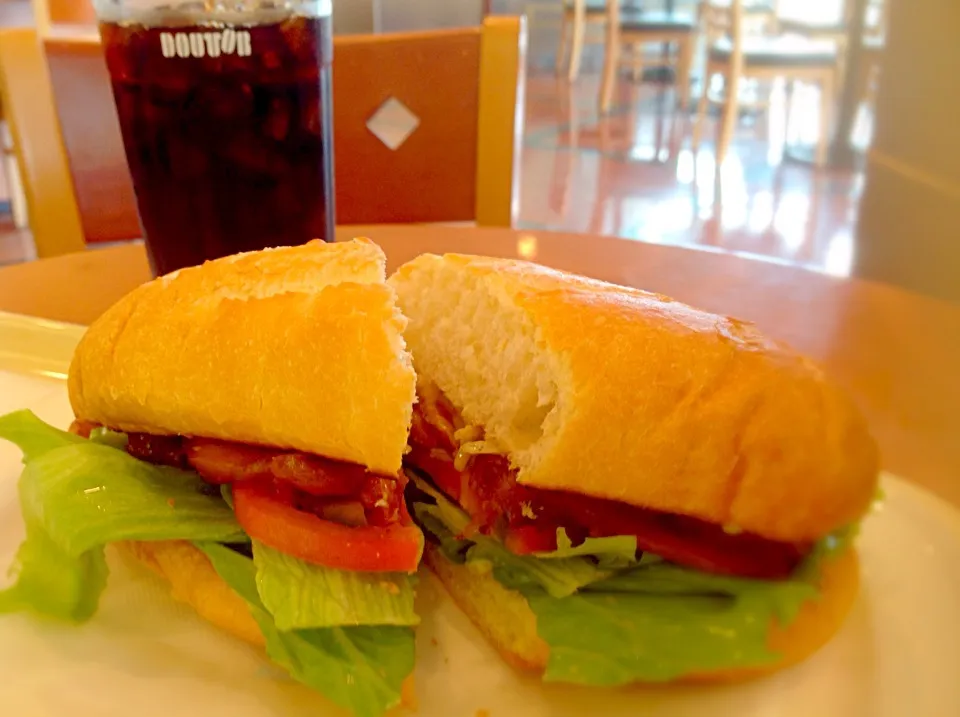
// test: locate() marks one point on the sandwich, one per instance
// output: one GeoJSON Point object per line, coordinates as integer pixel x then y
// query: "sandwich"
{"type": "Point", "coordinates": [619, 488]}
{"type": "Point", "coordinates": [240, 428]}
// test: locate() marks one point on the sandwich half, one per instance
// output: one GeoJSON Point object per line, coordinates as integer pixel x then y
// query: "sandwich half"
{"type": "Point", "coordinates": [240, 428]}
{"type": "Point", "coordinates": [620, 488]}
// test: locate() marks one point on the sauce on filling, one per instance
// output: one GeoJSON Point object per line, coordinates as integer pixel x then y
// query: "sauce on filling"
{"type": "Point", "coordinates": [527, 518]}
{"type": "Point", "coordinates": [335, 490]}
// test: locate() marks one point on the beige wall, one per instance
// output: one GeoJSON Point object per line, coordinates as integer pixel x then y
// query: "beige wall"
{"type": "Point", "coordinates": [352, 16]}
{"type": "Point", "coordinates": [909, 227]}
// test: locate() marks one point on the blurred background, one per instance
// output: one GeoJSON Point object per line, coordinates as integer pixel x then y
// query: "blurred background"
{"type": "Point", "coordinates": [832, 120]}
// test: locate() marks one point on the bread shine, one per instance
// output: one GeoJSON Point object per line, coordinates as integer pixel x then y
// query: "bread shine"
{"type": "Point", "coordinates": [622, 394]}
{"type": "Point", "coordinates": [296, 347]}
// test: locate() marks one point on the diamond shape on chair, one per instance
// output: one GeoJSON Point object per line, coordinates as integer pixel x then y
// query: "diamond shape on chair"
{"type": "Point", "coordinates": [393, 123]}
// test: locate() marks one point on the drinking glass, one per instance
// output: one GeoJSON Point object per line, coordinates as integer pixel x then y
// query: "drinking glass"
{"type": "Point", "coordinates": [226, 112]}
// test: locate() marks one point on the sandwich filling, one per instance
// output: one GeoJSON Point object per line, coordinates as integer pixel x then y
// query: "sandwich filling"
{"type": "Point", "coordinates": [619, 593]}
{"type": "Point", "coordinates": [320, 510]}
{"type": "Point", "coordinates": [322, 552]}
{"type": "Point", "coordinates": [527, 519]}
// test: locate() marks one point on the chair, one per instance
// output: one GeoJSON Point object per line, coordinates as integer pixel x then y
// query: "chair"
{"type": "Point", "coordinates": [838, 32]}
{"type": "Point", "coordinates": [460, 163]}
{"type": "Point", "coordinates": [636, 29]}
{"type": "Point", "coordinates": [52, 16]}
{"type": "Point", "coordinates": [41, 162]}
{"type": "Point", "coordinates": [734, 56]}
{"type": "Point", "coordinates": [577, 16]}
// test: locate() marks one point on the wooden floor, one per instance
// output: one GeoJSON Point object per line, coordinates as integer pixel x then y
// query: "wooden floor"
{"type": "Point", "coordinates": [633, 174]}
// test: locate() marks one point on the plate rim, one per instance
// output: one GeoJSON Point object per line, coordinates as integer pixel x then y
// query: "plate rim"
{"type": "Point", "coordinates": [34, 346]}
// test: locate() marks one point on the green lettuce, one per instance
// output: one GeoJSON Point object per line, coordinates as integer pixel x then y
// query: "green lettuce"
{"type": "Point", "coordinates": [617, 551]}
{"type": "Point", "coordinates": [77, 495]}
{"type": "Point", "coordinates": [647, 621]}
{"type": "Point", "coordinates": [52, 582]}
{"type": "Point", "coordinates": [302, 595]}
{"type": "Point", "coordinates": [34, 437]}
{"type": "Point", "coordinates": [360, 668]}
{"type": "Point", "coordinates": [559, 576]}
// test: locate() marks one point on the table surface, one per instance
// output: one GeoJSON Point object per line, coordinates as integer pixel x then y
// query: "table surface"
{"type": "Point", "coordinates": [898, 353]}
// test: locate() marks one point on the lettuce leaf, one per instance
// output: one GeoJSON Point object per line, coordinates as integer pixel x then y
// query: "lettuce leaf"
{"type": "Point", "coordinates": [34, 437]}
{"type": "Point", "coordinates": [560, 575]}
{"type": "Point", "coordinates": [617, 551]}
{"type": "Point", "coordinates": [54, 583]}
{"type": "Point", "coordinates": [359, 668]}
{"type": "Point", "coordinates": [77, 495]}
{"type": "Point", "coordinates": [302, 595]}
{"type": "Point", "coordinates": [647, 621]}
{"type": "Point", "coordinates": [658, 621]}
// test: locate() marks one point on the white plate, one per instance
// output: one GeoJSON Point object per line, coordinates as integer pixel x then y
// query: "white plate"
{"type": "Point", "coordinates": [144, 654]}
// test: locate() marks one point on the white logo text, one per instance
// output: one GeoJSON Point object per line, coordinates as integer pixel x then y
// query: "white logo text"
{"type": "Point", "coordinates": [206, 44]}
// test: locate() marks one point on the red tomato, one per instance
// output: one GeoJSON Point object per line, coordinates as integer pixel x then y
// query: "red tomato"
{"type": "Point", "coordinates": [394, 548]}
{"type": "Point", "coordinates": [526, 539]}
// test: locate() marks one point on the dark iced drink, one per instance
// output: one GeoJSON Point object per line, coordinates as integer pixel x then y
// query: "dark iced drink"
{"type": "Point", "coordinates": [227, 128]}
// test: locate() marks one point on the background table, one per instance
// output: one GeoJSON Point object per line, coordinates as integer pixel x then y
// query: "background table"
{"type": "Point", "coordinates": [898, 353]}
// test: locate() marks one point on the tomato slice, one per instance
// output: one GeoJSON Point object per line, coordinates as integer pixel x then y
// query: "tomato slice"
{"type": "Point", "coordinates": [526, 539]}
{"type": "Point", "coordinates": [393, 548]}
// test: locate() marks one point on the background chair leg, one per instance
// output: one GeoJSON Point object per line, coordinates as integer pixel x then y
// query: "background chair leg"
{"type": "Point", "coordinates": [788, 89]}
{"type": "Point", "coordinates": [827, 99]}
{"type": "Point", "coordinates": [701, 114]}
{"type": "Point", "coordinates": [728, 118]}
{"type": "Point", "coordinates": [684, 63]}
{"type": "Point", "coordinates": [564, 40]}
{"type": "Point", "coordinates": [576, 48]}
{"type": "Point", "coordinates": [611, 64]}
{"type": "Point", "coordinates": [636, 62]}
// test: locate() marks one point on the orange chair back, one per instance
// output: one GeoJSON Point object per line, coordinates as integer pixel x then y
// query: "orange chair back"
{"type": "Point", "coordinates": [48, 14]}
{"type": "Point", "coordinates": [91, 136]}
{"type": "Point", "coordinates": [465, 86]}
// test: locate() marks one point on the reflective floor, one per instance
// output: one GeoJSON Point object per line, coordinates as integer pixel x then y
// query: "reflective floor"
{"type": "Point", "coordinates": [633, 174]}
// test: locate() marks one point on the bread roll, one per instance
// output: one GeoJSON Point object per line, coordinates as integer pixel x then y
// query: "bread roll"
{"type": "Point", "coordinates": [504, 616]}
{"type": "Point", "coordinates": [621, 394]}
{"type": "Point", "coordinates": [296, 347]}
{"type": "Point", "coordinates": [194, 581]}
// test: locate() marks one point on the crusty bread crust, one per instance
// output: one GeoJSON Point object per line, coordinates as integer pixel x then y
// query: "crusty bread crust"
{"type": "Point", "coordinates": [622, 394]}
{"type": "Point", "coordinates": [194, 581]}
{"type": "Point", "coordinates": [505, 618]}
{"type": "Point", "coordinates": [296, 347]}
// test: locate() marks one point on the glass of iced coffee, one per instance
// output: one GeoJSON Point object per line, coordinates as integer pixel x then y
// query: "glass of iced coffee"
{"type": "Point", "coordinates": [226, 112]}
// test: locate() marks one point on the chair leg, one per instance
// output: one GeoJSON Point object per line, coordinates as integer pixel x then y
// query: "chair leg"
{"type": "Point", "coordinates": [576, 49]}
{"type": "Point", "coordinates": [826, 103]}
{"type": "Point", "coordinates": [841, 73]}
{"type": "Point", "coordinates": [702, 104]}
{"type": "Point", "coordinates": [564, 40]}
{"type": "Point", "coordinates": [636, 62]}
{"type": "Point", "coordinates": [868, 80]}
{"type": "Point", "coordinates": [684, 63]}
{"type": "Point", "coordinates": [788, 89]}
{"type": "Point", "coordinates": [611, 64]}
{"type": "Point", "coordinates": [637, 59]}
{"type": "Point", "coordinates": [728, 120]}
